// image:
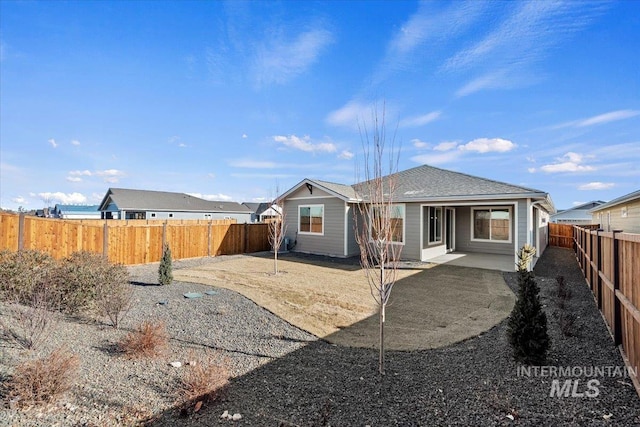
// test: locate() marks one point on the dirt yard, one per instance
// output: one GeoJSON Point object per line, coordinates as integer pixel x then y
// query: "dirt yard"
{"type": "Point", "coordinates": [430, 306]}
{"type": "Point", "coordinates": [316, 295]}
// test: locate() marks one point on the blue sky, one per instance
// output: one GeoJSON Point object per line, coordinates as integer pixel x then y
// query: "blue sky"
{"type": "Point", "coordinates": [229, 101]}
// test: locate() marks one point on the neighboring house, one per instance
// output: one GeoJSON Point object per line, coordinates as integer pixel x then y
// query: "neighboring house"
{"type": "Point", "coordinates": [438, 211]}
{"type": "Point", "coordinates": [622, 213]}
{"type": "Point", "coordinates": [121, 203]}
{"type": "Point", "coordinates": [76, 212]}
{"type": "Point", "coordinates": [263, 212]}
{"type": "Point", "coordinates": [577, 215]}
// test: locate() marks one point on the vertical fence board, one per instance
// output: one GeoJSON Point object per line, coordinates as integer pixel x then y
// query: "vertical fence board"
{"type": "Point", "coordinates": [133, 241]}
{"type": "Point", "coordinates": [614, 272]}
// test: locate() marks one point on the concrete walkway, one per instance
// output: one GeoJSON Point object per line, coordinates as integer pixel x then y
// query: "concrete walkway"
{"type": "Point", "coordinates": [434, 308]}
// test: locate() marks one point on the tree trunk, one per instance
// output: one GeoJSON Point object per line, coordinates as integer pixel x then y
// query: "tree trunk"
{"type": "Point", "coordinates": [381, 358]}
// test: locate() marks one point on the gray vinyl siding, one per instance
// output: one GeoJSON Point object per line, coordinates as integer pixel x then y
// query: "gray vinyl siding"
{"type": "Point", "coordinates": [611, 218]}
{"type": "Point", "coordinates": [412, 250]}
{"type": "Point", "coordinates": [352, 245]}
{"type": "Point", "coordinates": [332, 241]}
{"type": "Point", "coordinates": [241, 218]}
{"type": "Point", "coordinates": [463, 235]}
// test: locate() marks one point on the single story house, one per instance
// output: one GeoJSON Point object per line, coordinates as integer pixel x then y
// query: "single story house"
{"type": "Point", "coordinates": [76, 211]}
{"type": "Point", "coordinates": [577, 215]}
{"type": "Point", "coordinates": [262, 212]}
{"type": "Point", "coordinates": [622, 213]}
{"type": "Point", "coordinates": [438, 211]}
{"type": "Point", "coordinates": [122, 203]}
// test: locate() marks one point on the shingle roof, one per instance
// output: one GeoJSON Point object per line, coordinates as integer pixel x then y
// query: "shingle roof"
{"type": "Point", "coordinates": [77, 208]}
{"type": "Point", "coordinates": [346, 191]}
{"type": "Point", "coordinates": [622, 199]}
{"type": "Point", "coordinates": [127, 199]}
{"type": "Point", "coordinates": [427, 182]}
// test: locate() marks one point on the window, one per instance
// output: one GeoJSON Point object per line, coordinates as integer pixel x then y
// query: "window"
{"type": "Point", "coordinates": [311, 219]}
{"type": "Point", "coordinates": [396, 218]}
{"type": "Point", "coordinates": [170, 215]}
{"type": "Point", "coordinates": [153, 215]}
{"type": "Point", "coordinates": [492, 224]}
{"type": "Point", "coordinates": [435, 224]}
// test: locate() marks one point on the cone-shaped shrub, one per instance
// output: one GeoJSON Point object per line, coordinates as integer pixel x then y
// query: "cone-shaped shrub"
{"type": "Point", "coordinates": [527, 326]}
{"type": "Point", "coordinates": [165, 271]}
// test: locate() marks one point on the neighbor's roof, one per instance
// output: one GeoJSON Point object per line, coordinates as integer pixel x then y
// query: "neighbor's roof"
{"type": "Point", "coordinates": [622, 199]}
{"type": "Point", "coordinates": [78, 208]}
{"type": "Point", "coordinates": [146, 200]}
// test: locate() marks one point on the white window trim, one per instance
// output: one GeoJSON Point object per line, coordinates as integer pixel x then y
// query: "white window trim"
{"type": "Point", "coordinates": [311, 233]}
{"type": "Point", "coordinates": [434, 242]}
{"type": "Point", "coordinates": [404, 223]}
{"type": "Point", "coordinates": [482, 208]}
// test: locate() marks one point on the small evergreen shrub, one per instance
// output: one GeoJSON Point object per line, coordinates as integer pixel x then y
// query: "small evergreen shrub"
{"type": "Point", "coordinates": [527, 327]}
{"type": "Point", "coordinates": [165, 271]}
{"type": "Point", "coordinates": [43, 380]}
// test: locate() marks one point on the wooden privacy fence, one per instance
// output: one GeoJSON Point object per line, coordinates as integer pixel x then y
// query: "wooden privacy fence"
{"type": "Point", "coordinates": [131, 243]}
{"type": "Point", "coordinates": [610, 262]}
{"type": "Point", "coordinates": [561, 235]}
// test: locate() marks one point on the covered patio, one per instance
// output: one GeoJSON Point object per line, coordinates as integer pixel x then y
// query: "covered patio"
{"type": "Point", "coordinates": [476, 260]}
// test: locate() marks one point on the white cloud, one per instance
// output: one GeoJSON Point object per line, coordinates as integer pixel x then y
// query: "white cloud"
{"type": "Point", "coordinates": [244, 136]}
{"type": "Point", "coordinates": [570, 162]}
{"type": "Point", "coordinates": [515, 43]}
{"type": "Point", "coordinates": [419, 144]}
{"type": "Point", "coordinates": [350, 114]}
{"type": "Point", "coordinates": [110, 175]}
{"type": "Point", "coordinates": [19, 200]}
{"type": "Point", "coordinates": [212, 197]}
{"type": "Point", "coordinates": [596, 186]}
{"type": "Point", "coordinates": [80, 173]}
{"type": "Point", "coordinates": [600, 119]}
{"type": "Point", "coordinates": [486, 145]}
{"type": "Point", "coordinates": [252, 164]}
{"type": "Point", "coordinates": [346, 155]}
{"type": "Point", "coordinates": [420, 120]}
{"type": "Point", "coordinates": [53, 142]}
{"type": "Point", "coordinates": [446, 146]}
{"type": "Point", "coordinates": [437, 159]}
{"type": "Point", "coordinates": [279, 61]}
{"type": "Point", "coordinates": [305, 144]}
{"type": "Point", "coordinates": [63, 198]}
{"type": "Point", "coordinates": [75, 142]}
{"type": "Point", "coordinates": [74, 179]}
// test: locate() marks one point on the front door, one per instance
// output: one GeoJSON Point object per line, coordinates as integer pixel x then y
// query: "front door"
{"type": "Point", "coordinates": [449, 229]}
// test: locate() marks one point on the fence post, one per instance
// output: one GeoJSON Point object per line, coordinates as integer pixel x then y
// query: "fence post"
{"type": "Point", "coordinates": [105, 240]}
{"type": "Point", "coordinates": [246, 238]}
{"type": "Point", "coordinates": [21, 231]}
{"type": "Point", "coordinates": [598, 281]}
{"type": "Point", "coordinates": [617, 311]}
{"type": "Point", "coordinates": [209, 240]}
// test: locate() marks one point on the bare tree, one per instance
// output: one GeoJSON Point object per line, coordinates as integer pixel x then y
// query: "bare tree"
{"type": "Point", "coordinates": [277, 229]}
{"type": "Point", "coordinates": [378, 220]}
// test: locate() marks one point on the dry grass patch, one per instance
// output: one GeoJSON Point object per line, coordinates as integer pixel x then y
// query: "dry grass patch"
{"type": "Point", "coordinates": [43, 380]}
{"type": "Point", "coordinates": [204, 379]}
{"type": "Point", "coordinates": [318, 296]}
{"type": "Point", "coordinates": [149, 340]}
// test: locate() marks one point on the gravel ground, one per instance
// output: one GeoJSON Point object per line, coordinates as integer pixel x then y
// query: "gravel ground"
{"type": "Point", "coordinates": [286, 377]}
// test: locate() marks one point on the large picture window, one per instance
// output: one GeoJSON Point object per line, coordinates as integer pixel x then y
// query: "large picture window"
{"type": "Point", "coordinates": [311, 219]}
{"type": "Point", "coordinates": [396, 217]}
{"type": "Point", "coordinates": [435, 224]}
{"type": "Point", "coordinates": [492, 224]}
